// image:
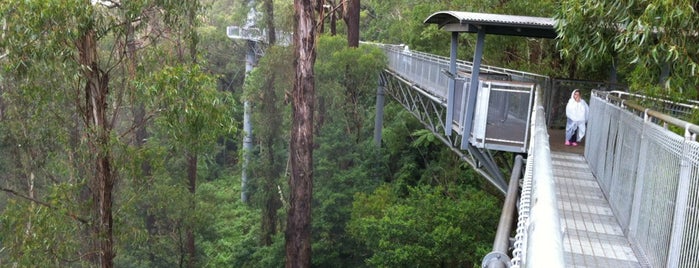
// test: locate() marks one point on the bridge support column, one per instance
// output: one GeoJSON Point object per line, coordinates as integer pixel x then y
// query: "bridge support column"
{"type": "Point", "coordinates": [250, 62]}
{"type": "Point", "coordinates": [378, 121]}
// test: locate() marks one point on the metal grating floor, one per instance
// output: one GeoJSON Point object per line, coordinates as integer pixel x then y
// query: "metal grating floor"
{"type": "Point", "coordinates": [592, 237]}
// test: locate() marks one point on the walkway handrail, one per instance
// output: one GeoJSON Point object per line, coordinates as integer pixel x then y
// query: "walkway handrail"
{"type": "Point", "coordinates": [499, 257]}
{"type": "Point", "coordinates": [691, 105]}
{"type": "Point", "coordinates": [539, 239]}
{"type": "Point", "coordinates": [649, 175]}
{"type": "Point", "coordinates": [691, 130]}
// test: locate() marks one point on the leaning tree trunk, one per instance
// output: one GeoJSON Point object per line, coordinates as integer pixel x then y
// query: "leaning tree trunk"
{"type": "Point", "coordinates": [298, 232]}
{"type": "Point", "coordinates": [98, 135]}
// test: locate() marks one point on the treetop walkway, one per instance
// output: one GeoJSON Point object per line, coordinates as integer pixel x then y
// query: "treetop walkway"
{"type": "Point", "coordinates": [626, 198]}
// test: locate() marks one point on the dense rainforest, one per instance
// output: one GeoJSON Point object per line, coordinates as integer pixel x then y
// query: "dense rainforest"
{"type": "Point", "coordinates": [121, 127]}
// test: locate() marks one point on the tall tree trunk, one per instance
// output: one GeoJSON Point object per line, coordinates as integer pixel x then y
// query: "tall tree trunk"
{"type": "Point", "coordinates": [320, 9]}
{"type": "Point", "coordinates": [98, 135]}
{"type": "Point", "coordinates": [333, 23]}
{"type": "Point", "coordinates": [272, 169]}
{"type": "Point", "coordinates": [269, 22]}
{"type": "Point", "coordinates": [272, 172]}
{"type": "Point", "coordinates": [298, 232]}
{"type": "Point", "coordinates": [192, 176]}
{"type": "Point", "coordinates": [351, 18]}
{"type": "Point", "coordinates": [192, 156]}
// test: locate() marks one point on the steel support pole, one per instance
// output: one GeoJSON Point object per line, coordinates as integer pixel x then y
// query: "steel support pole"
{"type": "Point", "coordinates": [452, 83]}
{"type": "Point", "coordinates": [470, 106]}
{"type": "Point", "coordinates": [250, 62]}
{"type": "Point", "coordinates": [378, 121]}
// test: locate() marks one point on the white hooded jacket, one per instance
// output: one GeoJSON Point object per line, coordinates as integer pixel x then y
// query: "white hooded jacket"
{"type": "Point", "coordinates": [577, 111]}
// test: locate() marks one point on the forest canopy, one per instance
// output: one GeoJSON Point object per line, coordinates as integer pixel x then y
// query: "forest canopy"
{"type": "Point", "coordinates": [122, 127]}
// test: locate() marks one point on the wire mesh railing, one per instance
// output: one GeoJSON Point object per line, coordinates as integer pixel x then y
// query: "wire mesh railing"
{"type": "Point", "coordinates": [649, 174]}
{"type": "Point", "coordinates": [430, 71]}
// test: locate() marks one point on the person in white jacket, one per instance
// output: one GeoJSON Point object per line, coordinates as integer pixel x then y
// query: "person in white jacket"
{"type": "Point", "coordinates": [577, 113]}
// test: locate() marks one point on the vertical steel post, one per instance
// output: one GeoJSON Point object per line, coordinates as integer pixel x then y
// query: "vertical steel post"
{"type": "Point", "coordinates": [452, 84]}
{"type": "Point", "coordinates": [470, 106]}
{"type": "Point", "coordinates": [378, 121]}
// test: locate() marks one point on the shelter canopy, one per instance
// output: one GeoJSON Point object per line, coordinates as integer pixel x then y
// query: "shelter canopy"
{"type": "Point", "coordinates": [460, 21]}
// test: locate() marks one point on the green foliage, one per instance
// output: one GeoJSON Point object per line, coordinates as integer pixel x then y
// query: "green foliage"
{"type": "Point", "coordinates": [192, 112]}
{"type": "Point", "coordinates": [641, 38]}
{"type": "Point", "coordinates": [269, 104]}
{"type": "Point", "coordinates": [346, 160]}
{"type": "Point", "coordinates": [231, 232]}
{"type": "Point", "coordinates": [431, 227]}
{"type": "Point", "coordinates": [337, 63]}
{"type": "Point", "coordinates": [342, 169]}
{"type": "Point", "coordinates": [171, 215]}
{"type": "Point", "coordinates": [346, 79]}
{"type": "Point", "coordinates": [34, 235]}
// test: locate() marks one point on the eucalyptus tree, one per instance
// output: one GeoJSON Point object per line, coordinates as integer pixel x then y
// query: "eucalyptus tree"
{"type": "Point", "coordinates": [62, 38]}
{"type": "Point", "coordinates": [193, 115]}
{"type": "Point", "coordinates": [298, 224]}
{"type": "Point", "coordinates": [348, 10]}
{"type": "Point", "coordinates": [266, 87]}
{"type": "Point", "coordinates": [267, 90]}
{"type": "Point", "coordinates": [653, 44]}
{"type": "Point", "coordinates": [70, 74]}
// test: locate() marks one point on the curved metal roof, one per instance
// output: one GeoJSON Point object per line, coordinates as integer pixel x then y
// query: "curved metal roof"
{"type": "Point", "coordinates": [459, 21]}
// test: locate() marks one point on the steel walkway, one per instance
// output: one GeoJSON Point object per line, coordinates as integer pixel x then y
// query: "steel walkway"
{"type": "Point", "coordinates": [592, 237]}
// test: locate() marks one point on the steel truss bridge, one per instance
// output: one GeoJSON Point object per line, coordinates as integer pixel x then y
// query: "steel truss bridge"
{"type": "Point", "coordinates": [629, 200]}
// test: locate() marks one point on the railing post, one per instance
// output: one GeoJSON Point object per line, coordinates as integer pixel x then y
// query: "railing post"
{"type": "Point", "coordinates": [680, 216]}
